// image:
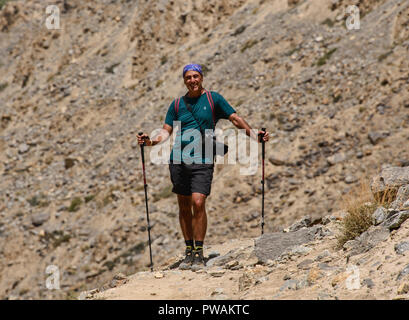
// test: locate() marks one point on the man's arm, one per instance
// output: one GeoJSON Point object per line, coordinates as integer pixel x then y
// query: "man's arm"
{"type": "Point", "coordinates": [240, 123]}
{"type": "Point", "coordinates": [163, 135]}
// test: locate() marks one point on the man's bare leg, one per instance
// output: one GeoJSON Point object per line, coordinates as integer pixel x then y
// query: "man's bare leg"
{"type": "Point", "coordinates": [199, 218]}
{"type": "Point", "coordinates": [185, 216]}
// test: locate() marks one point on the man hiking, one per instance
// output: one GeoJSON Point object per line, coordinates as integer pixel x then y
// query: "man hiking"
{"type": "Point", "coordinates": [191, 172]}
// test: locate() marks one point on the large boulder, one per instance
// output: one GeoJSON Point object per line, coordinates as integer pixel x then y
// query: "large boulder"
{"type": "Point", "coordinates": [390, 179]}
{"type": "Point", "coordinates": [270, 246]}
{"type": "Point", "coordinates": [401, 198]}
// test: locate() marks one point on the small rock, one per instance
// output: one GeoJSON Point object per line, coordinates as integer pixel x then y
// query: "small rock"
{"type": "Point", "coordinates": [120, 276]}
{"type": "Point", "coordinates": [400, 248]}
{"type": "Point", "coordinates": [23, 148]}
{"type": "Point", "coordinates": [300, 250]}
{"type": "Point", "coordinates": [323, 255]}
{"type": "Point", "coordinates": [213, 254]}
{"type": "Point", "coordinates": [395, 221]}
{"type": "Point", "coordinates": [379, 215]}
{"type": "Point", "coordinates": [328, 219]}
{"type": "Point", "coordinates": [201, 271]}
{"type": "Point", "coordinates": [337, 158]}
{"type": "Point", "coordinates": [303, 223]}
{"type": "Point", "coordinates": [289, 285]}
{"type": "Point", "coordinates": [323, 296]}
{"type": "Point", "coordinates": [231, 264]}
{"type": "Point", "coordinates": [217, 273]}
{"type": "Point", "coordinates": [277, 160]}
{"type": "Point", "coordinates": [261, 280]}
{"type": "Point", "coordinates": [245, 281]}
{"type": "Point", "coordinates": [82, 295]}
{"type": "Point", "coordinates": [40, 218]}
{"type": "Point", "coordinates": [403, 273]}
{"type": "Point", "coordinates": [368, 282]}
{"type": "Point", "coordinates": [217, 291]}
{"type": "Point", "coordinates": [376, 137]}
{"type": "Point", "coordinates": [350, 179]}
{"type": "Point", "coordinates": [69, 163]}
{"type": "Point", "coordinates": [403, 288]}
{"type": "Point", "coordinates": [159, 275]}
{"type": "Point", "coordinates": [305, 265]}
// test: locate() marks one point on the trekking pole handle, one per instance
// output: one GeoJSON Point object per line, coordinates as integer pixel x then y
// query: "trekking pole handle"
{"type": "Point", "coordinates": [262, 142]}
{"type": "Point", "coordinates": [141, 133]}
{"type": "Point", "coordinates": [260, 136]}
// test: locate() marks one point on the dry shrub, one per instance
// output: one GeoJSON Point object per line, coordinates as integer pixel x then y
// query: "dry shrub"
{"type": "Point", "coordinates": [386, 197]}
{"type": "Point", "coordinates": [360, 204]}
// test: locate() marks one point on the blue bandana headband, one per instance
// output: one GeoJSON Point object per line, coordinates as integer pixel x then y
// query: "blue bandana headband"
{"type": "Point", "coordinates": [192, 67]}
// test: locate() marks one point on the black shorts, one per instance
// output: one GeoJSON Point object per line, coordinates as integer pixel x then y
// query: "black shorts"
{"type": "Point", "coordinates": [189, 178]}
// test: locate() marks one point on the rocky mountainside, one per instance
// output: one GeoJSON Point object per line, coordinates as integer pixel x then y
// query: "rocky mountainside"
{"type": "Point", "coordinates": [71, 101]}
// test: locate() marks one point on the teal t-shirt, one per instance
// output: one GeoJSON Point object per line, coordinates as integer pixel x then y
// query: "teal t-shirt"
{"type": "Point", "coordinates": [186, 147]}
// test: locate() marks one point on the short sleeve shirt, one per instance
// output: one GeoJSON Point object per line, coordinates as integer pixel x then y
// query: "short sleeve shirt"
{"type": "Point", "coordinates": [185, 148]}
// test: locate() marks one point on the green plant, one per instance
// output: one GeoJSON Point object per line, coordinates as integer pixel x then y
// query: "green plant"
{"type": "Point", "coordinates": [75, 204]}
{"type": "Point", "coordinates": [165, 192]}
{"type": "Point", "coordinates": [3, 86]}
{"type": "Point", "coordinates": [33, 201]}
{"type": "Point", "coordinates": [89, 198]}
{"type": "Point", "coordinates": [357, 221]}
{"type": "Point", "coordinates": [38, 201]}
{"type": "Point", "coordinates": [248, 45]}
{"type": "Point", "coordinates": [337, 98]}
{"type": "Point", "coordinates": [328, 22]}
{"type": "Point", "coordinates": [57, 238]}
{"type": "Point", "coordinates": [163, 60]}
{"type": "Point", "coordinates": [386, 197]}
{"type": "Point", "coordinates": [2, 3]}
{"type": "Point", "coordinates": [323, 60]}
{"type": "Point", "coordinates": [291, 51]}
{"type": "Point", "coordinates": [61, 239]}
{"type": "Point", "coordinates": [205, 40]}
{"type": "Point", "coordinates": [360, 204]}
{"type": "Point", "coordinates": [384, 56]}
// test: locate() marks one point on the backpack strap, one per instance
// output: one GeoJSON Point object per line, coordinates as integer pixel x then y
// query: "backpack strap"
{"type": "Point", "coordinates": [210, 99]}
{"type": "Point", "coordinates": [177, 101]}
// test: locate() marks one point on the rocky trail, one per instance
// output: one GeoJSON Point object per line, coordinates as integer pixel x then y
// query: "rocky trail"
{"type": "Point", "coordinates": [72, 99]}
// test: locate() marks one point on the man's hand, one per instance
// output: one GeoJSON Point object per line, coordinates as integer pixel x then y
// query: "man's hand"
{"type": "Point", "coordinates": [264, 135]}
{"type": "Point", "coordinates": [144, 138]}
{"type": "Point", "coordinates": [163, 135]}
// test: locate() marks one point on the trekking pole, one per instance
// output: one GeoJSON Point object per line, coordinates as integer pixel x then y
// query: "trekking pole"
{"type": "Point", "coordinates": [146, 200]}
{"type": "Point", "coordinates": [262, 179]}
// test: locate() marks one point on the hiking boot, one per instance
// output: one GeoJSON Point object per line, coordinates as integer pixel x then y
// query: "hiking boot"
{"type": "Point", "coordinates": [187, 261]}
{"type": "Point", "coordinates": [198, 260]}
